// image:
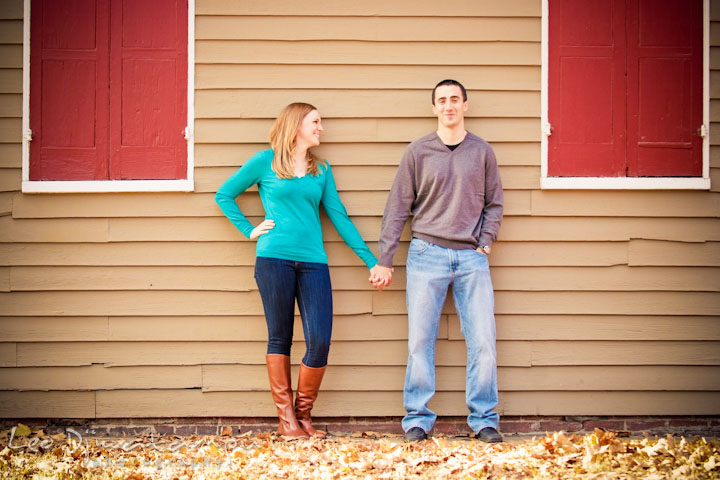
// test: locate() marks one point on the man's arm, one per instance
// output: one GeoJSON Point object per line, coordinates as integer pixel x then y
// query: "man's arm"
{"type": "Point", "coordinates": [493, 210]}
{"type": "Point", "coordinates": [397, 209]}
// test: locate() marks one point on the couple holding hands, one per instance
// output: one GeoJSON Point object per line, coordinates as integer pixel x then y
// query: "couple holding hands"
{"type": "Point", "coordinates": [449, 181]}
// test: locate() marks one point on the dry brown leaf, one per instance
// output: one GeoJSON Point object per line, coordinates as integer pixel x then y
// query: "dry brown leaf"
{"type": "Point", "coordinates": [593, 456]}
{"type": "Point", "coordinates": [22, 430]}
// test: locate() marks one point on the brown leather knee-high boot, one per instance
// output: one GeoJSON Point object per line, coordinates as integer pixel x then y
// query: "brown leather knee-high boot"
{"type": "Point", "coordinates": [281, 387]}
{"type": "Point", "coordinates": [307, 391]}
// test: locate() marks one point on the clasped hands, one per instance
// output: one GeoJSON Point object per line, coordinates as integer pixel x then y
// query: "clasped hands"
{"type": "Point", "coordinates": [380, 276]}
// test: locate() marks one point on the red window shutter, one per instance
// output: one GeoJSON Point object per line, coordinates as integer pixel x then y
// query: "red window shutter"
{"type": "Point", "coordinates": [148, 91]}
{"type": "Point", "coordinates": [625, 88]}
{"type": "Point", "coordinates": [68, 90]}
{"type": "Point", "coordinates": [664, 63]}
{"type": "Point", "coordinates": [586, 98]}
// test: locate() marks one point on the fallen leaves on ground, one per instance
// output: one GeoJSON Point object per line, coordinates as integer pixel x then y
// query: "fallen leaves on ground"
{"type": "Point", "coordinates": [600, 455]}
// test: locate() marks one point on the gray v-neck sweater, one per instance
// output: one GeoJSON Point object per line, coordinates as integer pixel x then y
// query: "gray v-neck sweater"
{"type": "Point", "coordinates": [455, 197]}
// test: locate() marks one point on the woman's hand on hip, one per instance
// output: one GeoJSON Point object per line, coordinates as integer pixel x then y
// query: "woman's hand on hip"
{"type": "Point", "coordinates": [262, 229]}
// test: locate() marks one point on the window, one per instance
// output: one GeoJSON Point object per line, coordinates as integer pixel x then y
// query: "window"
{"type": "Point", "coordinates": [107, 103]}
{"type": "Point", "coordinates": [624, 101]}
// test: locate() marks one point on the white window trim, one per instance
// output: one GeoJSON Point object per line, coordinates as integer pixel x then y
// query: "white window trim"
{"type": "Point", "coordinates": [61, 186]}
{"type": "Point", "coordinates": [625, 183]}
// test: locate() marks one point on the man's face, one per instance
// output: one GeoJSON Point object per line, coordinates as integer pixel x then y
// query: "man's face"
{"type": "Point", "coordinates": [449, 105]}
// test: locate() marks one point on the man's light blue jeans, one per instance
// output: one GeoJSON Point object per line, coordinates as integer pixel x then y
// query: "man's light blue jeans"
{"type": "Point", "coordinates": [431, 269]}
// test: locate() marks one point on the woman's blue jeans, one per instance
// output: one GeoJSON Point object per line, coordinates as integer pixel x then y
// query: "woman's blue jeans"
{"type": "Point", "coordinates": [431, 270]}
{"type": "Point", "coordinates": [281, 282]}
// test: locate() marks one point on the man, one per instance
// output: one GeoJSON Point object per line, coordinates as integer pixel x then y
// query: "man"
{"type": "Point", "coordinates": [449, 181]}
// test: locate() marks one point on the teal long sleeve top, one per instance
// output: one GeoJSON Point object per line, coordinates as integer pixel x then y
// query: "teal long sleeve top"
{"type": "Point", "coordinates": [294, 205]}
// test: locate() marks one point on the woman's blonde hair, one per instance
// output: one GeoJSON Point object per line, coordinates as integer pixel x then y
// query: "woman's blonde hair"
{"type": "Point", "coordinates": [282, 140]}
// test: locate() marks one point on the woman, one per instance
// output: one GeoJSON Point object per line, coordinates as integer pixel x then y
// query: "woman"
{"type": "Point", "coordinates": [291, 261]}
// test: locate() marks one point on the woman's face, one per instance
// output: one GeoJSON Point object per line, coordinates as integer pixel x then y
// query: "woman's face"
{"type": "Point", "coordinates": [309, 132]}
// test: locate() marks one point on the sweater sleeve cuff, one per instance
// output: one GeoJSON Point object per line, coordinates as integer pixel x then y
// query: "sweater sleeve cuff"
{"type": "Point", "coordinates": [486, 238]}
{"type": "Point", "coordinates": [247, 231]}
{"type": "Point", "coordinates": [385, 260]}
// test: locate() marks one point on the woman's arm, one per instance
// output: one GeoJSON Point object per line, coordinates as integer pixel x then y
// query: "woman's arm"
{"type": "Point", "coordinates": [247, 176]}
{"type": "Point", "coordinates": [339, 217]}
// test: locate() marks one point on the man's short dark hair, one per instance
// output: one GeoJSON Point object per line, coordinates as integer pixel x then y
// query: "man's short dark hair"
{"type": "Point", "coordinates": [450, 82]}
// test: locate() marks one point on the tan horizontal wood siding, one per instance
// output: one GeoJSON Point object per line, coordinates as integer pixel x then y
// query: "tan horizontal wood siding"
{"type": "Point", "coordinates": [144, 304]}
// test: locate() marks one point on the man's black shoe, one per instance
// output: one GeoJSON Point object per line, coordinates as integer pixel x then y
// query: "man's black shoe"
{"type": "Point", "coordinates": [415, 434]}
{"type": "Point", "coordinates": [489, 435]}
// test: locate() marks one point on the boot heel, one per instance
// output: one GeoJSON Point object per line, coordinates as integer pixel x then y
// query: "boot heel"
{"type": "Point", "coordinates": [307, 391]}
{"type": "Point", "coordinates": [278, 367]}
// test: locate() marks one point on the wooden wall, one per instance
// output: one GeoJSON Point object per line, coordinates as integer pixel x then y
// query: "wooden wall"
{"type": "Point", "coordinates": [144, 305]}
